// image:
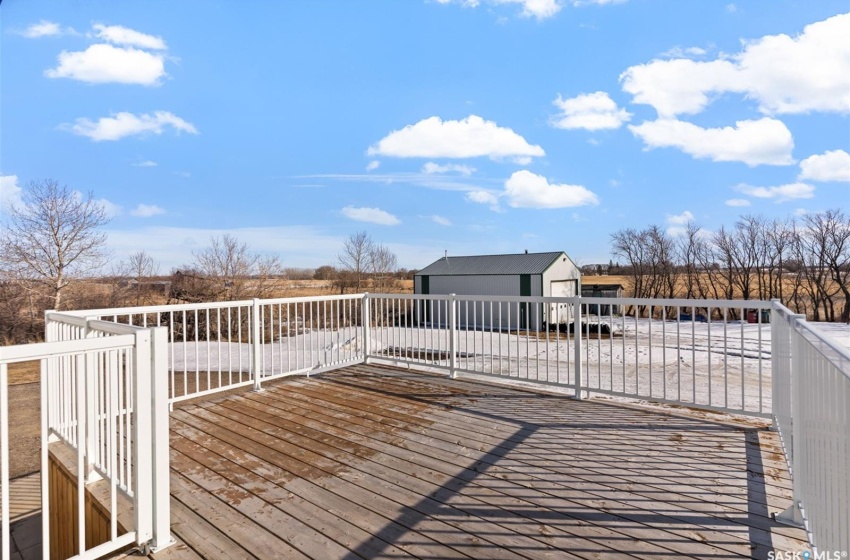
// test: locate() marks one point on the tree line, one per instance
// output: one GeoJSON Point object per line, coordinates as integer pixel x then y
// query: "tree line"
{"type": "Point", "coordinates": [803, 261]}
{"type": "Point", "coordinates": [54, 239]}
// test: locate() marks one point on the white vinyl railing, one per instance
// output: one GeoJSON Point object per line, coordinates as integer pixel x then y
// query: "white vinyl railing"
{"type": "Point", "coordinates": [215, 347]}
{"type": "Point", "coordinates": [745, 357]}
{"type": "Point", "coordinates": [812, 415]}
{"type": "Point", "coordinates": [98, 396]}
{"type": "Point", "coordinates": [711, 354]}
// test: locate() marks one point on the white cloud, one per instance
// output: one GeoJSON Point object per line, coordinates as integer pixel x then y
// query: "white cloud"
{"type": "Point", "coordinates": [678, 86]}
{"type": "Point", "coordinates": [484, 197]}
{"type": "Point", "coordinates": [597, 2]}
{"type": "Point", "coordinates": [680, 219]}
{"type": "Point", "coordinates": [147, 210]}
{"type": "Point", "coordinates": [467, 138]}
{"type": "Point", "coordinates": [525, 189]}
{"type": "Point", "coordinates": [432, 168]}
{"type": "Point", "coordinates": [125, 124]}
{"type": "Point", "coordinates": [441, 220]}
{"type": "Point", "coordinates": [10, 192]}
{"type": "Point", "coordinates": [120, 35]}
{"type": "Point", "coordinates": [783, 74]}
{"type": "Point", "coordinates": [102, 63]}
{"type": "Point", "coordinates": [679, 52]}
{"type": "Point", "coordinates": [45, 28]}
{"type": "Point", "coordinates": [370, 215]}
{"type": "Point", "coordinates": [762, 142]}
{"type": "Point", "coordinates": [590, 111]}
{"type": "Point", "coordinates": [146, 163]}
{"type": "Point", "coordinates": [782, 193]}
{"type": "Point", "coordinates": [737, 202]}
{"type": "Point", "coordinates": [731, 8]}
{"type": "Point", "coordinates": [540, 9]}
{"type": "Point", "coordinates": [677, 223]}
{"type": "Point", "coordinates": [110, 208]}
{"type": "Point", "coordinates": [373, 165]}
{"type": "Point", "coordinates": [833, 165]}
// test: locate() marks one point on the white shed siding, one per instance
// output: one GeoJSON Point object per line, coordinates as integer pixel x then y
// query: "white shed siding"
{"type": "Point", "coordinates": [563, 269]}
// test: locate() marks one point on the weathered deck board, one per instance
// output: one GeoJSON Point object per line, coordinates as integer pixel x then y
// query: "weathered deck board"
{"type": "Point", "coordinates": [378, 462]}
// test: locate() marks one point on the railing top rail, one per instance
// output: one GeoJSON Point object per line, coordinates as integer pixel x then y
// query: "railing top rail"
{"type": "Point", "coordinates": [158, 308]}
{"type": "Point", "coordinates": [115, 328]}
{"type": "Point", "coordinates": [27, 352]}
{"type": "Point", "coordinates": [310, 299]}
{"type": "Point", "coordinates": [830, 349]}
{"type": "Point", "coordinates": [733, 303]}
{"type": "Point", "coordinates": [66, 318]}
{"type": "Point", "coordinates": [780, 308]}
{"type": "Point", "coordinates": [681, 302]}
{"type": "Point", "coordinates": [427, 297]}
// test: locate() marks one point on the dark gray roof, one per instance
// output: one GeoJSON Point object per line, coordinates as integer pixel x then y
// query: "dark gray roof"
{"type": "Point", "coordinates": [524, 263]}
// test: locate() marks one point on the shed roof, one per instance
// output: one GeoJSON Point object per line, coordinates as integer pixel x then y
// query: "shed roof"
{"type": "Point", "coordinates": [523, 263]}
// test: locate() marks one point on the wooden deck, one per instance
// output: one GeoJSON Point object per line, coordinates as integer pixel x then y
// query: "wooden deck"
{"type": "Point", "coordinates": [377, 462]}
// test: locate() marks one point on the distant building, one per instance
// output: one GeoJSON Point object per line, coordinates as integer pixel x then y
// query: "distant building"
{"type": "Point", "coordinates": [525, 274]}
{"type": "Point", "coordinates": [602, 291]}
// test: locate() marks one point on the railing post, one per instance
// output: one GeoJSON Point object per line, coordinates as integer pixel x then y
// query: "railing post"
{"type": "Point", "coordinates": [793, 515]}
{"type": "Point", "coordinates": [142, 428]}
{"type": "Point", "coordinates": [366, 320]}
{"type": "Point", "coordinates": [256, 345]}
{"type": "Point", "coordinates": [577, 343]}
{"type": "Point", "coordinates": [48, 332]}
{"type": "Point", "coordinates": [5, 535]}
{"type": "Point", "coordinates": [90, 379]}
{"type": "Point", "coordinates": [453, 334]}
{"type": "Point", "coordinates": [160, 451]}
{"type": "Point", "coordinates": [775, 352]}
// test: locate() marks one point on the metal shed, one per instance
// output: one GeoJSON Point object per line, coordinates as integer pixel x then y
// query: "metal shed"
{"type": "Point", "coordinates": [602, 291]}
{"type": "Point", "coordinates": [525, 274]}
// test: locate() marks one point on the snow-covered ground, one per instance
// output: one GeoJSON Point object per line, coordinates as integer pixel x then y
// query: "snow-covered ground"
{"type": "Point", "coordinates": [725, 365]}
{"type": "Point", "coordinates": [840, 332]}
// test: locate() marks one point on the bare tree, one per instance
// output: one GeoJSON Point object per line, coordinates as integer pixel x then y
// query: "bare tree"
{"type": "Point", "coordinates": [54, 236]}
{"type": "Point", "coordinates": [382, 265]}
{"type": "Point", "coordinates": [824, 240]}
{"type": "Point", "coordinates": [356, 258]}
{"type": "Point", "coordinates": [780, 240]}
{"type": "Point", "coordinates": [628, 244]}
{"type": "Point", "coordinates": [229, 266]}
{"type": "Point", "coordinates": [139, 268]}
{"type": "Point", "coordinates": [694, 258]}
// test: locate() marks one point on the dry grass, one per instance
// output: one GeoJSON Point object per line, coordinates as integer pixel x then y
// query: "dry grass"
{"type": "Point", "coordinates": [24, 418]}
{"type": "Point", "coordinates": [681, 285]}
{"type": "Point", "coordinates": [24, 372]}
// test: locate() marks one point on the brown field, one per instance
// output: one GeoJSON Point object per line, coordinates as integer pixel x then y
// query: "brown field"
{"type": "Point", "coordinates": [681, 286]}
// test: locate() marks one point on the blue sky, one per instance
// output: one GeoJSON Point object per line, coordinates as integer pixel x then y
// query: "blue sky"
{"type": "Point", "coordinates": [485, 126]}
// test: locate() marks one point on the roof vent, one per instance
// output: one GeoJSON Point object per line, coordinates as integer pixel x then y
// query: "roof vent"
{"type": "Point", "coordinates": [526, 251]}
